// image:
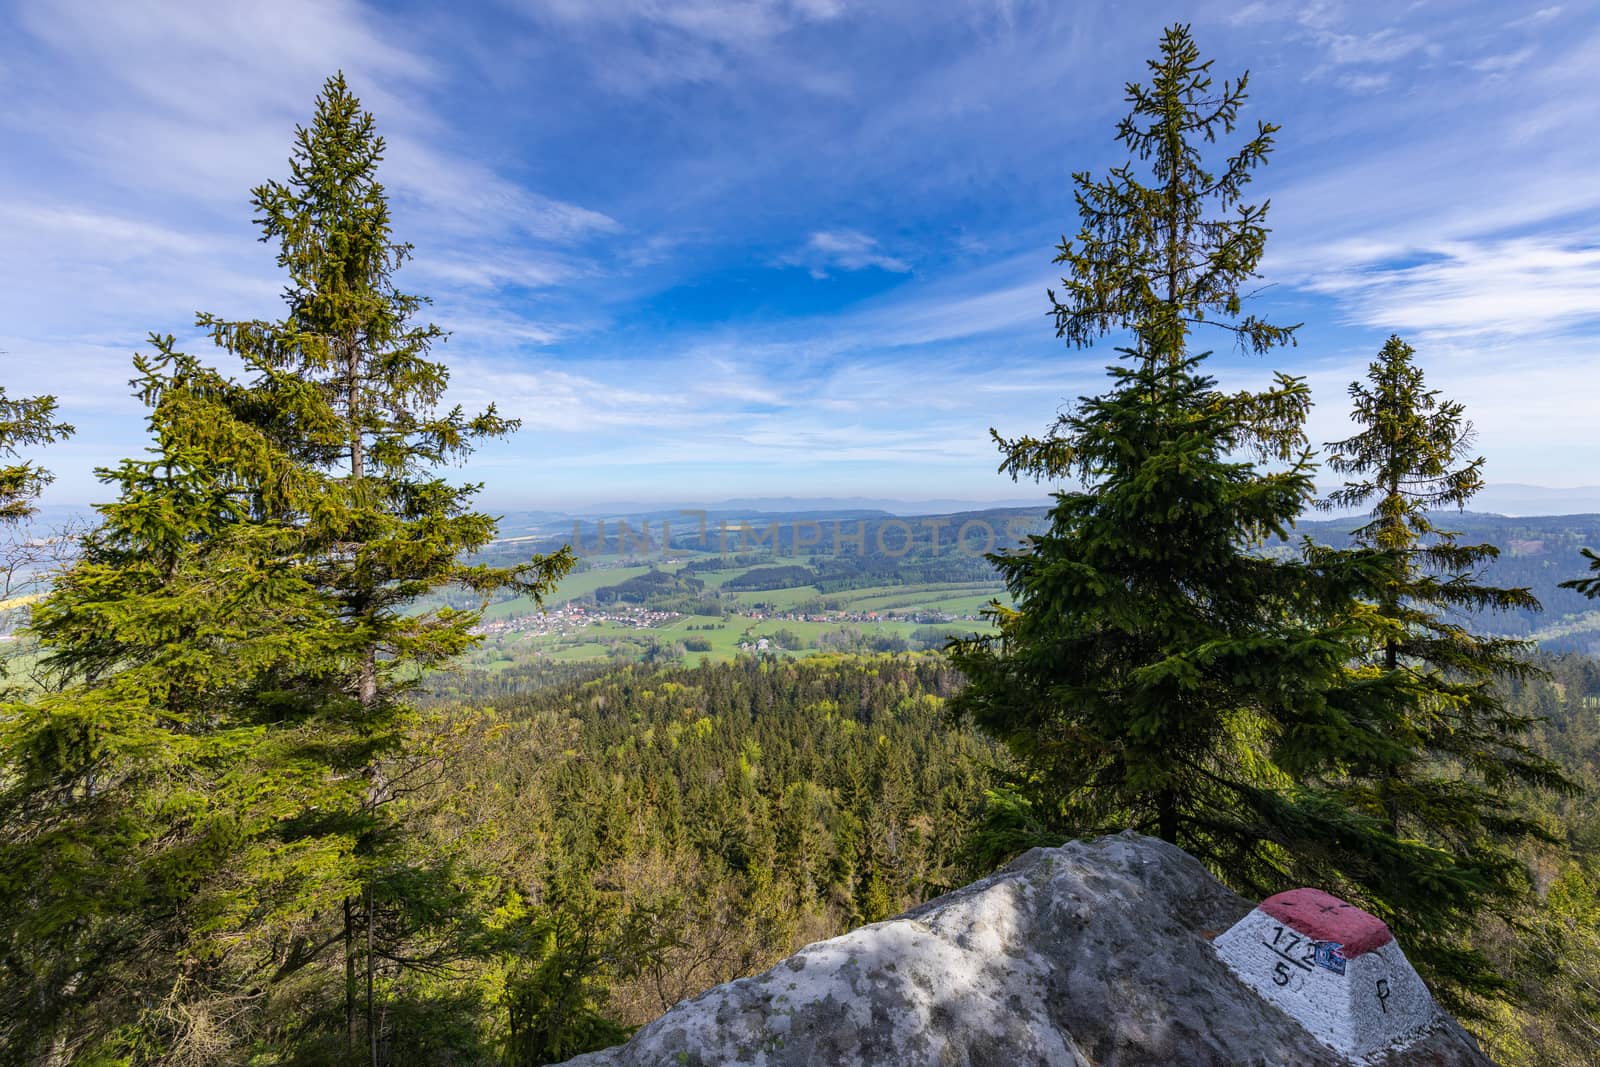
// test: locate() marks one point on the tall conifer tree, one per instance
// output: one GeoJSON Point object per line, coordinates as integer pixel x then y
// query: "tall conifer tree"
{"type": "Point", "coordinates": [1457, 750]}
{"type": "Point", "coordinates": [353, 400]}
{"type": "Point", "coordinates": [1158, 673]}
{"type": "Point", "coordinates": [238, 649]}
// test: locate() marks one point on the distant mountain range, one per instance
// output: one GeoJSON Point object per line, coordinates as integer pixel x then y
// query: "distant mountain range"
{"type": "Point", "coordinates": [1504, 498]}
{"type": "Point", "coordinates": [1511, 498]}
{"type": "Point", "coordinates": [782, 505]}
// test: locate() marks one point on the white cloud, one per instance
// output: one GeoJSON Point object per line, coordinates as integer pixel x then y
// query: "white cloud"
{"type": "Point", "coordinates": [636, 46]}
{"type": "Point", "coordinates": [68, 271]}
{"type": "Point", "coordinates": [466, 199]}
{"type": "Point", "coordinates": [180, 105]}
{"type": "Point", "coordinates": [495, 269]}
{"type": "Point", "coordinates": [844, 250]}
{"type": "Point", "coordinates": [1370, 49]}
{"type": "Point", "coordinates": [741, 23]}
{"type": "Point", "coordinates": [1544, 14]}
{"type": "Point", "coordinates": [1502, 62]}
{"type": "Point", "coordinates": [116, 238]}
{"type": "Point", "coordinates": [1474, 217]}
{"type": "Point", "coordinates": [548, 398]}
{"type": "Point", "coordinates": [1255, 11]}
{"type": "Point", "coordinates": [1524, 286]}
{"type": "Point", "coordinates": [1366, 83]}
{"type": "Point", "coordinates": [146, 126]}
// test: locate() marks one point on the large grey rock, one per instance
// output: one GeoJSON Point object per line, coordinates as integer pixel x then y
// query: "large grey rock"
{"type": "Point", "coordinates": [1095, 954]}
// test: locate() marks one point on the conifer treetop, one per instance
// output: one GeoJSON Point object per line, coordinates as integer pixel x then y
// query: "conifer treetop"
{"type": "Point", "coordinates": [1166, 244]}
{"type": "Point", "coordinates": [1412, 457]}
{"type": "Point", "coordinates": [350, 330]}
{"type": "Point", "coordinates": [29, 420]}
{"type": "Point", "coordinates": [1410, 441]}
{"type": "Point", "coordinates": [1157, 256]}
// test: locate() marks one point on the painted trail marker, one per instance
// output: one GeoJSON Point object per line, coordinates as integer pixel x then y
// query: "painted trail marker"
{"type": "Point", "coordinates": [1334, 968]}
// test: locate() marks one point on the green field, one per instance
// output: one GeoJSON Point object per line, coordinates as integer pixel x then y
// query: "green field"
{"type": "Point", "coordinates": [911, 597]}
{"type": "Point", "coordinates": [971, 604]}
{"type": "Point", "coordinates": [777, 598]}
{"type": "Point", "coordinates": [602, 640]}
{"type": "Point", "coordinates": [572, 587]}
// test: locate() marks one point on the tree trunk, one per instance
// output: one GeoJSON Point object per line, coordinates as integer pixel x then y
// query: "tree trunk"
{"type": "Point", "coordinates": [352, 406]}
{"type": "Point", "coordinates": [372, 1028]}
{"type": "Point", "coordinates": [367, 677]}
{"type": "Point", "coordinates": [367, 680]}
{"type": "Point", "coordinates": [1391, 661]}
{"type": "Point", "coordinates": [1167, 815]}
{"type": "Point", "coordinates": [1391, 807]}
{"type": "Point", "coordinates": [349, 977]}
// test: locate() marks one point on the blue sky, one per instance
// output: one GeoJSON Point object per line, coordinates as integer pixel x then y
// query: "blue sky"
{"type": "Point", "coordinates": [800, 247]}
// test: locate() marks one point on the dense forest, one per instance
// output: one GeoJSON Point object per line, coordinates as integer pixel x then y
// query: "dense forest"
{"type": "Point", "coordinates": [727, 814]}
{"type": "Point", "coordinates": [640, 836]}
{"type": "Point", "coordinates": [1536, 553]}
{"type": "Point", "coordinates": [249, 815]}
{"type": "Point", "coordinates": [655, 833]}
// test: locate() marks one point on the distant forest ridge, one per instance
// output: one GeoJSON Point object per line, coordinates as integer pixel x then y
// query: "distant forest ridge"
{"type": "Point", "coordinates": [852, 548]}
{"type": "Point", "coordinates": [836, 551]}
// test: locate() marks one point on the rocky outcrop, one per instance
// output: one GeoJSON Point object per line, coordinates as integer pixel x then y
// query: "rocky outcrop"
{"type": "Point", "coordinates": [1096, 953]}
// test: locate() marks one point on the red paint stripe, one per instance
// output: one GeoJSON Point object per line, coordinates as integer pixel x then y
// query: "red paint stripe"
{"type": "Point", "coordinates": [1324, 917]}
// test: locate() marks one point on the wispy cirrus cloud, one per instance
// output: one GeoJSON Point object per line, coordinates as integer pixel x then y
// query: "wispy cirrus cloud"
{"type": "Point", "coordinates": [827, 250]}
{"type": "Point", "coordinates": [145, 128]}
{"type": "Point", "coordinates": [1489, 233]}
{"type": "Point", "coordinates": [179, 110]}
{"type": "Point", "coordinates": [638, 46]}
{"type": "Point", "coordinates": [466, 199]}
{"type": "Point", "coordinates": [1511, 288]}
{"type": "Point", "coordinates": [616, 204]}
{"type": "Point", "coordinates": [734, 22]}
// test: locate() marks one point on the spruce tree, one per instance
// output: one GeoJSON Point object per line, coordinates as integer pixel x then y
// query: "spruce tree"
{"type": "Point", "coordinates": [1157, 674]}
{"type": "Point", "coordinates": [352, 401]}
{"type": "Point", "coordinates": [134, 791]}
{"type": "Point", "coordinates": [1410, 460]}
{"type": "Point", "coordinates": [25, 558]}
{"type": "Point", "coordinates": [1159, 254]}
{"type": "Point", "coordinates": [1458, 751]}
{"type": "Point", "coordinates": [1158, 671]}
{"type": "Point", "coordinates": [25, 421]}
{"type": "Point", "coordinates": [237, 646]}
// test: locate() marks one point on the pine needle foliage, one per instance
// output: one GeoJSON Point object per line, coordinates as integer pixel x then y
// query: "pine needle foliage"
{"type": "Point", "coordinates": [1157, 674]}
{"type": "Point", "coordinates": [1168, 244]}
{"type": "Point", "coordinates": [25, 421]}
{"type": "Point", "coordinates": [1160, 671]}
{"type": "Point", "coordinates": [211, 811]}
{"type": "Point", "coordinates": [1460, 754]}
{"type": "Point", "coordinates": [1589, 586]}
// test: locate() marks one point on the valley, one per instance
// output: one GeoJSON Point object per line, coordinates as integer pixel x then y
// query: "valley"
{"type": "Point", "coordinates": [905, 584]}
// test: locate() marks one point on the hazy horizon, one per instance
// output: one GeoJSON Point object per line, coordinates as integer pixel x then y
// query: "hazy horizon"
{"type": "Point", "coordinates": [1509, 499]}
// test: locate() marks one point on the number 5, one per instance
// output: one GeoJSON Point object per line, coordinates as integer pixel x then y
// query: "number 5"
{"type": "Point", "coordinates": [1280, 973]}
